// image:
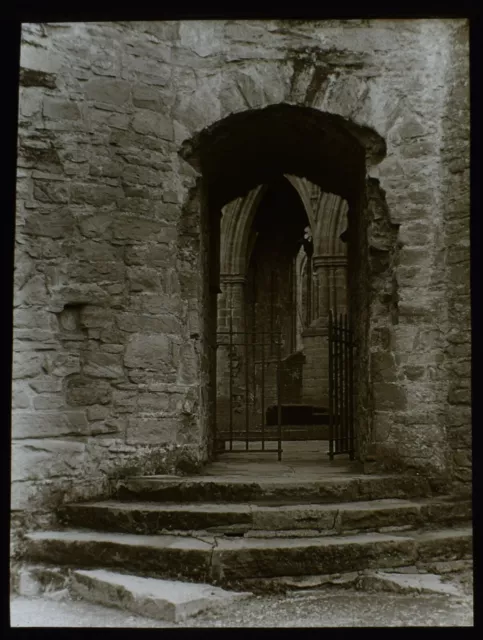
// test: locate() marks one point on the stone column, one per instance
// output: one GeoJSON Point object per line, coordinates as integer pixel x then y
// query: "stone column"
{"type": "Point", "coordinates": [233, 288]}
{"type": "Point", "coordinates": [340, 287]}
{"type": "Point", "coordinates": [232, 302]}
{"type": "Point", "coordinates": [331, 273]}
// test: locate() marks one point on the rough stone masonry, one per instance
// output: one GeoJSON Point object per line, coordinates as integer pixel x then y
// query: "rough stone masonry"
{"type": "Point", "coordinates": [113, 309]}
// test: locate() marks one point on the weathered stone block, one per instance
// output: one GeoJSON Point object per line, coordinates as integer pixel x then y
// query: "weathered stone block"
{"type": "Point", "coordinates": [383, 367]}
{"type": "Point", "coordinates": [145, 97]}
{"type": "Point", "coordinates": [155, 303]}
{"type": "Point", "coordinates": [151, 123]}
{"type": "Point", "coordinates": [152, 430]}
{"type": "Point", "coordinates": [21, 395]}
{"type": "Point", "coordinates": [36, 424]}
{"type": "Point", "coordinates": [115, 92]}
{"type": "Point", "coordinates": [389, 396]}
{"type": "Point", "coordinates": [188, 364]}
{"type": "Point", "coordinates": [414, 372]}
{"type": "Point", "coordinates": [415, 233]}
{"type": "Point", "coordinates": [125, 401]}
{"type": "Point", "coordinates": [152, 401]}
{"type": "Point", "coordinates": [150, 352]}
{"type": "Point", "coordinates": [96, 226]}
{"type": "Point", "coordinates": [30, 101]}
{"type": "Point", "coordinates": [39, 459]}
{"type": "Point", "coordinates": [462, 458]}
{"type": "Point", "coordinates": [46, 402]}
{"type": "Point", "coordinates": [55, 224]}
{"type": "Point", "coordinates": [102, 365]}
{"type": "Point", "coordinates": [84, 391]}
{"type": "Point", "coordinates": [60, 109]}
{"type": "Point", "coordinates": [35, 78]}
{"type": "Point", "coordinates": [459, 396]}
{"type": "Point", "coordinates": [46, 384]}
{"type": "Point", "coordinates": [95, 194]}
{"type": "Point", "coordinates": [145, 69]}
{"type": "Point", "coordinates": [143, 278]}
{"type": "Point", "coordinates": [57, 192]}
{"type": "Point", "coordinates": [132, 229]}
{"type": "Point", "coordinates": [136, 323]}
{"type": "Point", "coordinates": [158, 255]}
{"type": "Point", "coordinates": [62, 364]}
{"type": "Point", "coordinates": [34, 318]}
{"type": "Point", "coordinates": [105, 167]}
{"type": "Point", "coordinates": [97, 412]}
{"type": "Point", "coordinates": [70, 273]}
{"type": "Point", "coordinates": [27, 365]}
{"type": "Point", "coordinates": [96, 317]}
{"type": "Point", "coordinates": [39, 57]}
{"type": "Point", "coordinates": [34, 339]}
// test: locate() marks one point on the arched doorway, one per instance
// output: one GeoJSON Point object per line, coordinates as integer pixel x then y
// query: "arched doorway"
{"type": "Point", "coordinates": [242, 159]}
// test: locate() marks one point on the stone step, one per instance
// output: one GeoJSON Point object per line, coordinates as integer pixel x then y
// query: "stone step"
{"type": "Point", "coordinates": [421, 578]}
{"type": "Point", "coordinates": [275, 490]}
{"type": "Point", "coordinates": [250, 519]}
{"type": "Point", "coordinates": [225, 560]}
{"type": "Point", "coordinates": [170, 600]}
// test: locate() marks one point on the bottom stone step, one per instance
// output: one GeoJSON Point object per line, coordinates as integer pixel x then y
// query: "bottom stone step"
{"type": "Point", "coordinates": [411, 579]}
{"type": "Point", "coordinates": [169, 600]}
{"type": "Point", "coordinates": [207, 558]}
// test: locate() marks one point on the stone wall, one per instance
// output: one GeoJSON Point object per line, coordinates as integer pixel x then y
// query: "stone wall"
{"type": "Point", "coordinates": [414, 285]}
{"type": "Point", "coordinates": [106, 363]}
{"type": "Point", "coordinates": [454, 273]}
{"type": "Point", "coordinates": [316, 372]}
{"type": "Point", "coordinates": [111, 362]}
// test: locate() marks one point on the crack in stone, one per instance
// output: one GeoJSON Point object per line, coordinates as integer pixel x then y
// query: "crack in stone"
{"type": "Point", "coordinates": [215, 570]}
{"type": "Point", "coordinates": [242, 93]}
{"type": "Point", "coordinates": [335, 518]}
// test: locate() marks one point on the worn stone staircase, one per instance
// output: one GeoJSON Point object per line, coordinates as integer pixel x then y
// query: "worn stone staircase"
{"type": "Point", "coordinates": [239, 532]}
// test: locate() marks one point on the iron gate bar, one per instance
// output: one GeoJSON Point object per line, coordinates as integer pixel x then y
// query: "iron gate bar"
{"type": "Point", "coordinates": [231, 381]}
{"type": "Point", "coordinates": [336, 385]}
{"type": "Point", "coordinates": [343, 435]}
{"type": "Point", "coordinates": [279, 398]}
{"type": "Point", "coordinates": [247, 417]}
{"type": "Point", "coordinates": [341, 386]}
{"type": "Point", "coordinates": [343, 425]}
{"type": "Point", "coordinates": [263, 391]}
{"type": "Point", "coordinates": [351, 392]}
{"type": "Point", "coordinates": [346, 377]}
{"type": "Point", "coordinates": [331, 390]}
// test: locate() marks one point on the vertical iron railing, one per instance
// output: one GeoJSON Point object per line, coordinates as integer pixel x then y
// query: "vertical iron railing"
{"type": "Point", "coordinates": [230, 358]}
{"type": "Point", "coordinates": [262, 390]}
{"type": "Point", "coordinates": [247, 393]}
{"type": "Point", "coordinates": [279, 398]}
{"type": "Point", "coordinates": [341, 386]}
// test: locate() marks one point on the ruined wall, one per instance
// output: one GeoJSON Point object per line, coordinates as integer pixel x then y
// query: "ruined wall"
{"type": "Point", "coordinates": [414, 287]}
{"type": "Point", "coordinates": [454, 276]}
{"type": "Point", "coordinates": [107, 266]}
{"type": "Point", "coordinates": [106, 364]}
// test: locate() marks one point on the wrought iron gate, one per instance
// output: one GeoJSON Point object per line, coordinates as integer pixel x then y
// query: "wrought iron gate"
{"type": "Point", "coordinates": [341, 386]}
{"type": "Point", "coordinates": [249, 391]}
